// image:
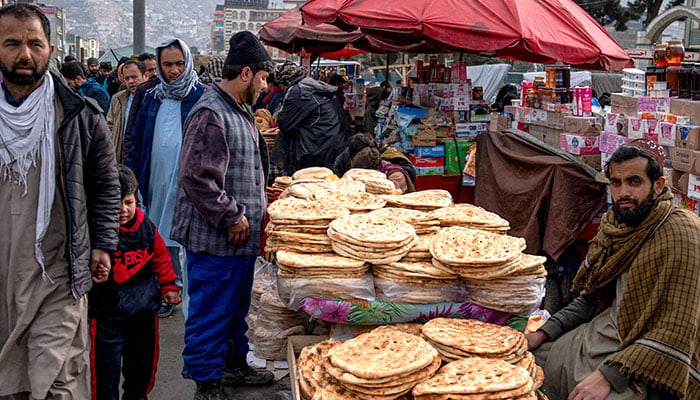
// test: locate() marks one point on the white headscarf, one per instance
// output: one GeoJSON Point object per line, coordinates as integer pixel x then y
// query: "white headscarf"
{"type": "Point", "coordinates": [180, 87]}
{"type": "Point", "coordinates": [26, 132]}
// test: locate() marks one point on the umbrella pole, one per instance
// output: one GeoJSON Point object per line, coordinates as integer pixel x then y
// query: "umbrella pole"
{"type": "Point", "coordinates": [461, 56]}
{"type": "Point", "coordinates": [388, 56]}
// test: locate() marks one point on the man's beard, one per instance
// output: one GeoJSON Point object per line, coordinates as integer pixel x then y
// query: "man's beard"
{"type": "Point", "coordinates": [13, 77]}
{"type": "Point", "coordinates": [638, 214]}
{"type": "Point", "coordinates": [250, 95]}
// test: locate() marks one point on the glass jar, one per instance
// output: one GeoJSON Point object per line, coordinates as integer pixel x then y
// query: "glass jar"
{"type": "Point", "coordinates": [695, 85]}
{"type": "Point", "coordinates": [562, 76]}
{"type": "Point", "coordinates": [672, 75]}
{"type": "Point", "coordinates": [661, 74]}
{"type": "Point", "coordinates": [675, 52]}
{"type": "Point", "coordinates": [685, 80]}
{"type": "Point", "coordinates": [660, 55]}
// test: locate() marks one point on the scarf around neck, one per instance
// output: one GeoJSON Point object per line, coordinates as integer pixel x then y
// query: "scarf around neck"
{"type": "Point", "coordinates": [27, 136]}
{"type": "Point", "coordinates": [615, 246]}
{"type": "Point", "coordinates": [180, 87]}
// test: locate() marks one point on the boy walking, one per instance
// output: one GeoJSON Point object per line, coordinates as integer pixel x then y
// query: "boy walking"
{"type": "Point", "coordinates": [124, 309]}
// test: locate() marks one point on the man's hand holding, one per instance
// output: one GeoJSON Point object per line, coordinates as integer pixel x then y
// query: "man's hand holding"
{"type": "Point", "coordinates": [100, 265]}
{"type": "Point", "coordinates": [535, 339]}
{"type": "Point", "coordinates": [239, 233]}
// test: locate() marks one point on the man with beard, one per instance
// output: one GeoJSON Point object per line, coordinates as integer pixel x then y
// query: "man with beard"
{"type": "Point", "coordinates": [633, 331]}
{"type": "Point", "coordinates": [151, 80]}
{"type": "Point", "coordinates": [59, 207]}
{"type": "Point", "coordinates": [75, 78]}
{"type": "Point", "coordinates": [133, 74]}
{"type": "Point", "coordinates": [156, 139]}
{"type": "Point", "coordinates": [219, 213]}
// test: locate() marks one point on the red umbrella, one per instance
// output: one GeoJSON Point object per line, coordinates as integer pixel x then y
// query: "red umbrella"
{"type": "Point", "coordinates": [347, 52]}
{"type": "Point", "coordinates": [288, 32]}
{"type": "Point", "coordinates": [541, 31]}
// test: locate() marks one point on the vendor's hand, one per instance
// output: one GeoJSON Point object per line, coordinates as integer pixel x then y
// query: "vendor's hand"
{"type": "Point", "coordinates": [535, 339]}
{"type": "Point", "coordinates": [100, 264]}
{"type": "Point", "coordinates": [594, 387]}
{"type": "Point", "coordinates": [172, 297]}
{"type": "Point", "coordinates": [239, 233]}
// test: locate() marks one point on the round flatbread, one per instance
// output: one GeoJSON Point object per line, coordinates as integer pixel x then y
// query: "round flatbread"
{"type": "Point", "coordinates": [382, 354]}
{"type": "Point", "coordinates": [353, 201]}
{"type": "Point", "coordinates": [303, 210]}
{"type": "Point", "coordinates": [362, 228]}
{"type": "Point", "coordinates": [464, 246]}
{"type": "Point", "coordinates": [473, 337]}
{"type": "Point", "coordinates": [313, 173]}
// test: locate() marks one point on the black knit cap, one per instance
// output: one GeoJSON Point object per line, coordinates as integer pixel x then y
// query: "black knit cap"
{"type": "Point", "coordinates": [246, 49]}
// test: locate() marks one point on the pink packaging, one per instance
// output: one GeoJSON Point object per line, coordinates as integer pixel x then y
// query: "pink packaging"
{"type": "Point", "coordinates": [524, 87]}
{"type": "Point", "coordinates": [579, 145]}
{"type": "Point", "coordinates": [462, 68]}
{"type": "Point", "coordinates": [667, 134]}
{"type": "Point", "coordinates": [635, 128]}
{"type": "Point", "coordinates": [576, 100]}
{"type": "Point", "coordinates": [609, 142]}
{"type": "Point", "coordinates": [586, 101]}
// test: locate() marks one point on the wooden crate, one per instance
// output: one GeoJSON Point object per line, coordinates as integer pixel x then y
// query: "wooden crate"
{"type": "Point", "coordinates": [294, 346]}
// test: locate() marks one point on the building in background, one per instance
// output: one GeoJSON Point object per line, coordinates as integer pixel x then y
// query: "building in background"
{"type": "Point", "coordinates": [82, 48]}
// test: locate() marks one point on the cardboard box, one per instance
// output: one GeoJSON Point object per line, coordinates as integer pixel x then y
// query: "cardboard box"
{"type": "Point", "coordinates": [432, 151]}
{"type": "Point", "coordinates": [456, 156]}
{"type": "Point", "coordinates": [667, 133]}
{"type": "Point", "coordinates": [653, 104]}
{"type": "Point", "coordinates": [609, 142]}
{"type": "Point", "coordinates": [695, 162]}
{"type": "Point", "coordinates": [428, 166]}
{"type": "Point", "coordinates": [686, 107]}
{"type": "Point", "coordinates": [583, 126]}
{"type": "Point", "coordinates": [592, 160]}
{"type": "Point", "coordinates": [501, 121]}
{"type": "Point", "coordinates": [604, 158]}
{"type": "Point", "coordinates": [425, 136]}
{"type": "Point", "coordinates": [555, 119]}
{"type": "Point", "coordinates": [294, 346]}
{"type": "Point", "coordinates": [470, 130]}
{"type": "Point", "coordinates": [621, 103]}
{"type": "Point", "coordinates": [680, 158]}
{"type": "Point", "coordinates": [522, 115]}
{"type": "Point", "coordinates": [538, 117]}
{"type": "Point", "coordinates": [688, 137]}
{"type": "Point", "coordinates": [545, 134]}
{"type": "Point", "coordinates": [679, 181]}
{"type": "Point", "coordinates": [616, 123]}
{"type": "Point", "coordinates": [635, 128]}
{"type": "Point", "coordinates": [578, 144]}
{"type": "Point", "coordinates": [693, 187]}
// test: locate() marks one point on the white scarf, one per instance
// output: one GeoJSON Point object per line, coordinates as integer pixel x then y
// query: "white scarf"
{"type": "Point", "coordinates": [27, 135]}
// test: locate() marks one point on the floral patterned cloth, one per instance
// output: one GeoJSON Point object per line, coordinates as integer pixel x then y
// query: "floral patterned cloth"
{"type": "Point", "coordinates": [361, 312]}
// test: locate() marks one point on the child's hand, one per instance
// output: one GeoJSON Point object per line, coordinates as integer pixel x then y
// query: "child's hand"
{"type": "Point", "coordinates": [172, 297]}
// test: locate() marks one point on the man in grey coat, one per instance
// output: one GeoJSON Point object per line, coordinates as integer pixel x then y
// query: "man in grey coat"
{"type": "Point", "coordinates": [218, 218]}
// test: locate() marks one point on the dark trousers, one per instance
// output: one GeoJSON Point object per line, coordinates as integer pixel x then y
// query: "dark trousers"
{"type": "Point", "coordinates": [129, 347]}
{"type": "Point", "coordinates": [219, 289]}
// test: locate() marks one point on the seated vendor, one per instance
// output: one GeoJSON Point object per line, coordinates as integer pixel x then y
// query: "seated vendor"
{"type": "Point", "coordinates": [369, 158]}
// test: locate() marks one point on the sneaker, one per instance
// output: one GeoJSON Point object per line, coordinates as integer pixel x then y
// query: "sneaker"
{"type": "Point", "coordinates": [165, 311]}
{"type": "Point", "coordinates": [245, 375]}
{"type": "Point", "coordinates": [210, 391]}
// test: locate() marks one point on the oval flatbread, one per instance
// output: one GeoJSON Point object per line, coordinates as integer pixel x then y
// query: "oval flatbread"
{"type": "Point", "coordinates": [463, 246]}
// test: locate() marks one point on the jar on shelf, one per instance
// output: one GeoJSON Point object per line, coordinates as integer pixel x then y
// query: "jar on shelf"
{"type": "Point", "coordinates": [660, 55]}
{"type": "Point", "coordinates": [672, 76]}
{"type": "Point", "coordinates": [695, 85]}
{"type": "Point", "coordinates": [685, 80]}
{"type": "Point", "coordinates": [675, 52]}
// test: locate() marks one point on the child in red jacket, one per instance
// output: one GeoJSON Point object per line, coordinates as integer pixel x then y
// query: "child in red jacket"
{"type": "Point", "coordinates": [124, 325]}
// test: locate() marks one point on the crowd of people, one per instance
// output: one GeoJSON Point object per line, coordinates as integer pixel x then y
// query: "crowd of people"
{"type": "Point", "coordinates": [126, 191]}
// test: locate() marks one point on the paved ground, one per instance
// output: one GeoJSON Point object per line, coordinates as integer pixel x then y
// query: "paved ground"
{"type": "Point", "coordinates": [171, 386]}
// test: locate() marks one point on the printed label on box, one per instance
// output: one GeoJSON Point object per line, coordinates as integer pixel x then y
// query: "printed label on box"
{"type": "Point", "coordinates": [579, 145]}
{"type": "Point", "coordinates": [667, 134]}
{"type": "Point", "coordinates": [609, 142]}
{"type": "Point", "coordinates": [635, 128]}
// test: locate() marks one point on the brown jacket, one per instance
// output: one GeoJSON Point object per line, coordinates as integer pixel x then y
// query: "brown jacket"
{"type": "Point", "coordinates": [115, 120]}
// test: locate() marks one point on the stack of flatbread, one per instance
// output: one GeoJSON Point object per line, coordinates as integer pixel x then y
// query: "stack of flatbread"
{"type": "Point", "coordinates": [375, 181]}
{"type": "Point", "coordinates": [278, 186]}
{"type": "Point", "coordinates": [421, 249]}
{"type": "Point", "coordinates": [369, 239]}
{"type": "Point", "coordinates": [412, 328]}
{"type": "Point", "coordinates": [274, 324]}
{"type": "Point", "coordinates": [323, 265]}
{"type": "Point", "coordinates": [478, 378]}
{"type": "Point", "coordinates": [476, 254]}
{"type": "Point", "coordinates": [381, 364]}
{"type": "Point", "coordinates": [519, 292]}
{"type": "Point", "coordinates": [356, 202]}
{"type": "Point", "coordinates": [471, 216]}
{"type": "Point", "coordinates": [305, 188]}
{"type": "Point", "coordinates": [414, 282]}
{"type": "Point", "coordinates": [312, 374]}
{"type": "Point", "coordinates": [421, 221]}
{"type": "Point", "coordinates": [314, 173]}
{"type": "Point", "coordinates": [300, 225]}
{"type": "Point", "coordinates": [459, 338]}
{"type": "Point", "coordinates": [424, 200]}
